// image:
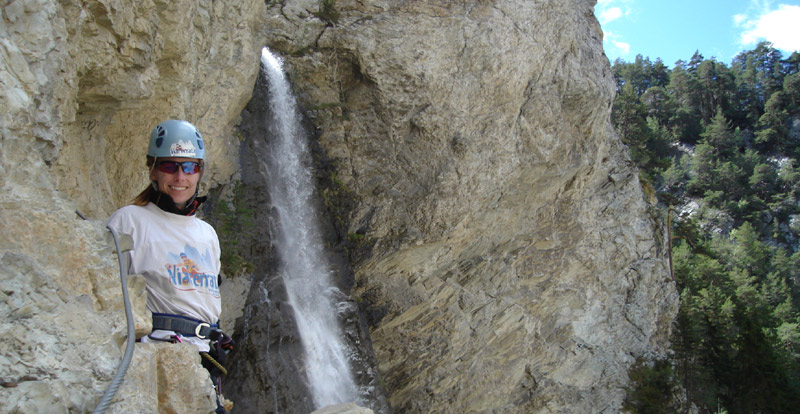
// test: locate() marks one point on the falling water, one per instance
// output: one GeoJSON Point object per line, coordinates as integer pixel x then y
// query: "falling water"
{"type": "Point", "coordinates": [299, 245]}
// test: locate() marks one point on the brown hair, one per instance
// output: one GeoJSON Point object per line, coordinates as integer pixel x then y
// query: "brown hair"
{"type": "Point", "coordinates": [144, 197]}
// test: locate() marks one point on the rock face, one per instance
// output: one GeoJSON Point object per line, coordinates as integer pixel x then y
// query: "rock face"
{"type": "Point", "coordinates": [499, 241]}
{"type": "Point", "coordinates": [514, 264]}
{"type": "Point", "coordinates": [83, 84]}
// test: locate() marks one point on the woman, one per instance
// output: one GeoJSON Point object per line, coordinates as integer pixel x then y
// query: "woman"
{"type": "Point", "coordinates": [178, 254]}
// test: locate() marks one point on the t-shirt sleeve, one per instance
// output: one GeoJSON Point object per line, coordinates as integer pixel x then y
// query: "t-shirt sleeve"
{"type": "Point", "coordinates": [122, 221]}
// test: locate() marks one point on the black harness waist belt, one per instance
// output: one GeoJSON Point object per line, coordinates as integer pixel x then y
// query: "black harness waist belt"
{"type": "Point", "coordinates": [183, 325]}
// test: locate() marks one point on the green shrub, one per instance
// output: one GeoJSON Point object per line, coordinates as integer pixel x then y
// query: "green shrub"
{"type": "Point", "coordinates": [651, 388]}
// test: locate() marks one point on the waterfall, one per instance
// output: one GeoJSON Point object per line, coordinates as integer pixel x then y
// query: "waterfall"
{"type": "Point", "coordinates": [299, 245]}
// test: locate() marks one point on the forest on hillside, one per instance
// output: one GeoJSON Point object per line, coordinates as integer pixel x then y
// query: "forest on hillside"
{"type": "Point", "coordinates": [720, 146]}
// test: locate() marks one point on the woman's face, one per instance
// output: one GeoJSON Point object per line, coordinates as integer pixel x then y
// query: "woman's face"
{"type": "Point", "coordinates": [179, 185]}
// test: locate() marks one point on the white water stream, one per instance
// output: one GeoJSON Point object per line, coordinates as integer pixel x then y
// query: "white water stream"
{"type": "Point", "coordinates": [303, 265]}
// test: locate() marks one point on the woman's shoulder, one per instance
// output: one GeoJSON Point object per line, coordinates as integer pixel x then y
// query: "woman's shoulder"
{"type": "Point", "coordinates": [205, 225]}
{"type": "Point", "coordinates": [128, 216]}
{"type": "Point", "coordinates": [129, 211]}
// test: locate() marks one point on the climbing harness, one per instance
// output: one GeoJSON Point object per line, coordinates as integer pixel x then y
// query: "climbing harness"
{"type": "Point", "coordinates": [219, 346]}
{"type": "Point", "coordinates": [185, 326]}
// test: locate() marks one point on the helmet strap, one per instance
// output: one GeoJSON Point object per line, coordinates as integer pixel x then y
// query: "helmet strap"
{"type": "Point", "coordinates": [153, 183]}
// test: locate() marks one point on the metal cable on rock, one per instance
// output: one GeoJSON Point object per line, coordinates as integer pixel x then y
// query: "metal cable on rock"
{"type": "Point", "coordinates": [126, 359]}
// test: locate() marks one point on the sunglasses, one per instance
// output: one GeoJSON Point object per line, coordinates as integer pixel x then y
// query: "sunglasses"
{"type": "Point", "coordinates": [171, 167]}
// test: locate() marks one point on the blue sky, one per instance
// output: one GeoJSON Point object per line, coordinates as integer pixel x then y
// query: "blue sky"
{"type": "Point", "coordinates": [675, 29]}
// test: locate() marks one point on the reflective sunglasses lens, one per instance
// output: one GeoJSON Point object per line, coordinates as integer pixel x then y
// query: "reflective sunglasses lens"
{"type": "Point", "coordinates": [190, 167]}
{"type": "Point", "coordinates": [171, 167]}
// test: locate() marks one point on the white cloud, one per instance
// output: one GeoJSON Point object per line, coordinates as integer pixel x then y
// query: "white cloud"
{"type": "Point", "coordinates": [614, 46]}
{"type": "Point", "coordinates": [623, 47]}
{"type": "Point", "coordinates": [608, 11]}
{"type": "Point", "coordinates": [781, 27]}
{"type": "Point", "coordinates": [609, 15]}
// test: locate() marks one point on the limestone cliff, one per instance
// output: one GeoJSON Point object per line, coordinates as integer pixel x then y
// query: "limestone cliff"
{"type": "Point", "coordinates": [83, 83]}
{"type": "Point", "coordinates": [500, 243]}
{"type": "Point", "coordinates": [514, 264]}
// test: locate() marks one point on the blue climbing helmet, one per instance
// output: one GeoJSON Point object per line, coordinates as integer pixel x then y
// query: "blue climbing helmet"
{"type": "Point", "coordinates": [175, 138]}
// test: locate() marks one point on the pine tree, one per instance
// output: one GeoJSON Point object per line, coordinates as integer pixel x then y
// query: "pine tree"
{"type": "Point", "coordinates": [718, 135]}
{"type": "Point", "coordinates": [685, 124]}
{"type": "Point", "coordinates": [716, 88]}
{"type": "Point", "coordinates": [737, 334]}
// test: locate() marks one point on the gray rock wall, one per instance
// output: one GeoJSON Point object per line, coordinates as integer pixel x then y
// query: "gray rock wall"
{"type": "Point", "coordinates": [513, 264]}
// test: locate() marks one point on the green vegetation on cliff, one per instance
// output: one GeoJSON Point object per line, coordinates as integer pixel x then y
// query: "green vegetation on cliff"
{"type": "Point", "coordinates": [233, 220]}
{"type": "Point", "coordinates": [721, 145]}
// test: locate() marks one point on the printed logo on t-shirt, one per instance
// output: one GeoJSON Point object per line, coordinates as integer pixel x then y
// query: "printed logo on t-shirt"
{"type": "Point", "coordinates": [189, 270]}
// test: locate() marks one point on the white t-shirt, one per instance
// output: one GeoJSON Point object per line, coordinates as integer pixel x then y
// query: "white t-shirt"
{"type": "Point", "coordinates": [179, 258]}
